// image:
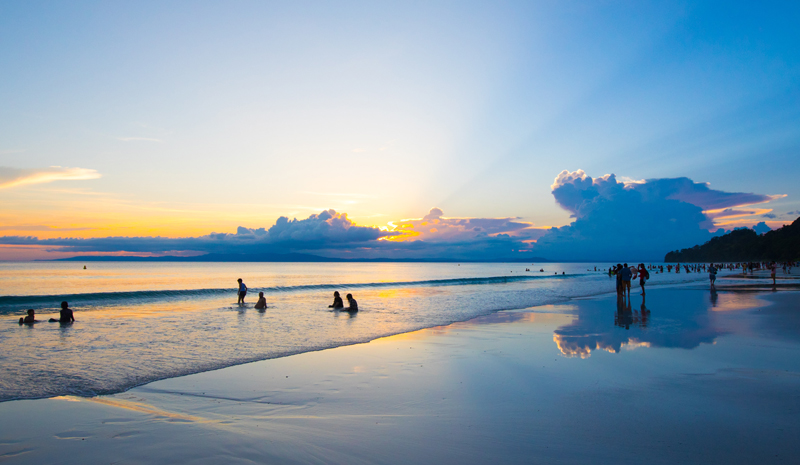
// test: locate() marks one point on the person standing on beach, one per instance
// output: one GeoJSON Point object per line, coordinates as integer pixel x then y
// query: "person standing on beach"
{"type": "Point", "coordinates": [772, 269]}
{"type": "Point", "coordinates": [625, 276]}
{"type": "Point", "coordinates": [644, 275]}
{"type": "Point", "coordinates": [712, 274]}
{"type": "Point", "coordinates": [242, 291]}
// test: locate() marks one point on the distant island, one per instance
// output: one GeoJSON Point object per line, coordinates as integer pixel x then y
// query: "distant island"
{"type": "Point", "coordinates": [744, 245]}
{"type": "Point", "coordinates": [282, 258]}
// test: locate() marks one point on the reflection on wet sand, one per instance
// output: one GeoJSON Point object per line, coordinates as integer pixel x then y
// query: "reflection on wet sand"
{"type": "Point", "coordinates": [674, 319]}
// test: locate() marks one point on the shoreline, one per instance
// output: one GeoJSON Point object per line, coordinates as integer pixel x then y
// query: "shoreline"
{"type": "Point", "coordinates": [333, 345]}
{"type": "Point", "coordinates": [411, 389]}
{"type": "Point", "coordinates": [696, 284]}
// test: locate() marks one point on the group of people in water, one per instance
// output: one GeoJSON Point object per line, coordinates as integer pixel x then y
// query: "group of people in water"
{"type": "Point", "coordinates": [261, 304]}
{"type": "Point", "coordinates": [66, 316]}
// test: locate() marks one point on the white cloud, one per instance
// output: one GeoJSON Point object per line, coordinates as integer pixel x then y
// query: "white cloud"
{"type": "Point", "coordinates": [13, 177]}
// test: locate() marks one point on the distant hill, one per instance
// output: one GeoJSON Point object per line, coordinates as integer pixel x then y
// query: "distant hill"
{"type": "Point", "coordinates": [745, 245]}
{"type": "Point", "coordinates": [272, 257]}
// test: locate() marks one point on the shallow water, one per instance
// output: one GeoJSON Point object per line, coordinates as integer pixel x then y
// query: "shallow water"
{"type": "Point", "coordinates": [138, 322]}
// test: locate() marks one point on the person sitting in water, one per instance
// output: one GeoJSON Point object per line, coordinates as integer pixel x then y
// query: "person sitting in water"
{"type": "Point", "coordinates": [262, 302]}
{"type": "Point", "coordinates": [66, 314]}
{"type": "Point", "coordinates": [337, 301]}
{"type": "Point", "coordinates": [352, 302]}
{"type": "Point", "coordinates": [30, 319]}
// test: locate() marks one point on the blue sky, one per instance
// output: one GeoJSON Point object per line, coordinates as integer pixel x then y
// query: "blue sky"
{"type": "Point", "coordinates": [179, 119]}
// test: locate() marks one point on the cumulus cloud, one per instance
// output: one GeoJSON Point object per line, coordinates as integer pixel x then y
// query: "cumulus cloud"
{"type": "Point", "coordinates": [326, 230]}
{"type": "Point", "coordinates": [576, 192]}
{"type": "Point", "coordinates": [435, 227]}
{"type": "Point", "coordinates": [13, 177]}
{"type": "Point", "coordinates": [636, 220]}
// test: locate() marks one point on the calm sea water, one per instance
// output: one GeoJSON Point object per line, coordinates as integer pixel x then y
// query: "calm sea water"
{"type": "Point", "coordinates": [138, 322]}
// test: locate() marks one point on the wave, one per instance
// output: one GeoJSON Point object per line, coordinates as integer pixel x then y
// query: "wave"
{"type": "Point", "coordinates": [14, 303]}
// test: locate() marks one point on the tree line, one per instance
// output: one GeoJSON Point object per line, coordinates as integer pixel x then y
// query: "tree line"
{"type": "Point", "coordinates": [744, 245]}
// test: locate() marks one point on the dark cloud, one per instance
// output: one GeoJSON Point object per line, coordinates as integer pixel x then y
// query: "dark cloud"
{"type": "Point", "coordinates": [770, 216]}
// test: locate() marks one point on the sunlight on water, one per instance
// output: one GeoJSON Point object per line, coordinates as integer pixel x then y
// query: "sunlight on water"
{"type": "Point", "coordinates": [139, 322]}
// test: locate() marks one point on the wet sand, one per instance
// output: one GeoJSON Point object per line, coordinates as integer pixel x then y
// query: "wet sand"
{"type": "Point", "coordinates": [701, 378]}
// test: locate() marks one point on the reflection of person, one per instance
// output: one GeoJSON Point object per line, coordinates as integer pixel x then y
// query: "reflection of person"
{"type": "Point", "coordinates": [353, 305]}
{"type": "Point", "coordinates": [30, 319]}
{"type": "Point", "coordinates": [262, 302]}
{"type": "Point", "coordinates": [645, 313]}
{"type": "Point", "coordinates": [242, 291]}
{"type": "Point", "coordinates": [66, 314]}
{"type": "Point", "coordinates": [337, 301]}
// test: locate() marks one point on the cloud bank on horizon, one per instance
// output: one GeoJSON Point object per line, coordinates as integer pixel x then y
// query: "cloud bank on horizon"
{"type": "Point", "coordinates": [613, 220]}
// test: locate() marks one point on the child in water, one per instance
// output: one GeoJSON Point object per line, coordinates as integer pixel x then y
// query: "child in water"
{"type": "Point", "coordinates": [30, 319]}
{"type": "Point", "coordinates": [262, 302]}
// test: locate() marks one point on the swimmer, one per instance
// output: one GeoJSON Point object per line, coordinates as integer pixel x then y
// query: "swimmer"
{"type": "Point", "coordinates": [66, 314]}
{"type": "Point", "coordinates": [337, 301]}
{"type": "Point", "coordinates": [352, 302]}
{"type": "Point", "coordinates": [30, 319]}
{"type": "Point", "coordinates": [262, 302]}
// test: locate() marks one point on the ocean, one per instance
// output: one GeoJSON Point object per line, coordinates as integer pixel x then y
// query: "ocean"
{"type": "Point", "coordinates": [140, 322]}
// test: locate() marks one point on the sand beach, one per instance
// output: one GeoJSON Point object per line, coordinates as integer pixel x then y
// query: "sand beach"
{"type": "Point", "coordinates": [702, 378]}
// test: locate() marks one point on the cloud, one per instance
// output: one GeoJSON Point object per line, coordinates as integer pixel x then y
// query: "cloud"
{"type": "Point", "coordinates": [639, 220]}
{"type": "Point", "coordinates": [333, 234]}
{"type": "Point", "coordinates": [761, 228]}
{"type": "Point", "coordinates": [576, 191]}
{"type": "Point", "coordinates": [770, 216]}
{"type": "Point", "coordinates": [39, 227]}
{"type": "Point", "coordinates": [435, 227]}
{"type": "Point", "coordinates": [326, 230]}
{"type": "Point", "coordinates": [13, 177]}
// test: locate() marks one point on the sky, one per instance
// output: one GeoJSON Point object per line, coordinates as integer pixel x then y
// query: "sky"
{"type": "Point", "coordinates": [452, 130]}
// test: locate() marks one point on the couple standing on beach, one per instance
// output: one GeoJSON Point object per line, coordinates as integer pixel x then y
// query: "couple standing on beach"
{"type": "Point", "coordinates": [625, 274]}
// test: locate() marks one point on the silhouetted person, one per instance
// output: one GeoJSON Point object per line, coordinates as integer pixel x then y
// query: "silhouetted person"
{"type": "Point", "coordinates": [262, 302]}
{"type": "Point", "coordinates": [337, 301]}
{"type": "Point", "coordinates": [644, 275]}
{"type": "Point", "coordinates": [712, 274]}
{"type": "Point", "coordinates": [625, 275]}
{"type": "Point", "coordinates": [66, 314]}
{"type": "Point", "coordinates": [242, 291]}
{"type": "Point", "coordinates": [353, 305]}
{"type": "Point", "coordinates": [30, 319]}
